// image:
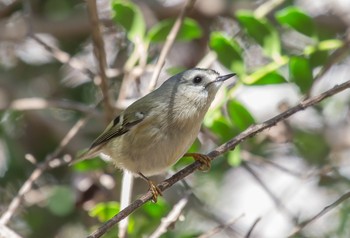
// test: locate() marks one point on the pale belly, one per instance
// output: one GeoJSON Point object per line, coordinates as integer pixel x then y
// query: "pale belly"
{"type": "Point", "coordinates": [153, 152]}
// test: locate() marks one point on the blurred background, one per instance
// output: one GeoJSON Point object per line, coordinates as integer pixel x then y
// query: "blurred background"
{"type": "Point", "coordinates": [283, 51]}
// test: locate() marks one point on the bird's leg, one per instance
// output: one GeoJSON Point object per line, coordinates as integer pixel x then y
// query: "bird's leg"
{"type": "Point", "coordinates": [152, 187]}
{"type": "Point", "coordinates": [205, 160]}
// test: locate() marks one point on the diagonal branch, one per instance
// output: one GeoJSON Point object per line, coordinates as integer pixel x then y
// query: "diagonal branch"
{"type": "Point", "coordinates": [169, 42]}
{"type": "Point", "coordinates": [302, 225]}
{"type": "Point", "coordinates": [230, 145]}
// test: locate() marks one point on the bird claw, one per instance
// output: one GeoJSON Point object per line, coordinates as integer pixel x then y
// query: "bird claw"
{"type": "Point", "coordinates": [153, 188]}
{"type": "Point", "coordinates": [155, 191]}
{"type": "Point", "coordinates": [203, 159]}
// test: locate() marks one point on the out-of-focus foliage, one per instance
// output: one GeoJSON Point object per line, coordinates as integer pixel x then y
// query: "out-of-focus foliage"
{"type": "Point", "coordinates": [276, 58]}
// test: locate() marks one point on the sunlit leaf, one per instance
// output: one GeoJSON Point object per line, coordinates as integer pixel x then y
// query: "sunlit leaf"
{"type": "Point", "coordinates": [261, 73]}
{"type": "Point", "coordinates": [189, 30]}
{"type": "Point", "coordinates": [270, 78]}
{"type": "Point", "coordinates": [128, 15]}
{"type": "Point", "coordinates": [234, 157]}
{"type": "Point", "coordinates": [228, 51]}
{"type": "Point", "coordinates": [301, 73]}
{"type": "Point", "coordinates": [318, 53]}
{"type": "Point", "coordinates": [297, 19]}
{"type": "Point", "coordinates": [262, 32]}
{"type": "Point", "coordinates": [105, 210]}
{"type": "Point", "coordinates": [323, 46]}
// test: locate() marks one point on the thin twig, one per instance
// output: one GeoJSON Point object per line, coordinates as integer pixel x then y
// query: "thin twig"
{"type": "Point", "coordinates": [171, 218]}
{"type": "Point", "coordinates": [169, 42]}
{"type": "Point", "coordinates": [100, 54]}
{"type": "Point", "coordinates": [50, 163]}
{"type": "Point", "coordinates": [273, 197]}
{"type": "Point", "coordinates": [252, 227]}
{"type": "Point", "coordinates": [64, 57]}
{"type": "Point", "coordinates": [35, 103]}
{"type": "Point", "coordinates": [220, 228]}
{"type": "Point", "coordinates": [228, 146]}
{"type": "Point", "coordinates": [302, 225]}
{"type": "Point", "coordinates": [247, 156]}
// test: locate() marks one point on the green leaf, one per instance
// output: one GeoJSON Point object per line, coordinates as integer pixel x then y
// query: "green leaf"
{"type": "Point", "coordinates": [89, 165]}
{"type": "Point", "coordinates": [301, 73]}
{"type": "Point", "coordinates": [105, 210]}
{"type": "Point", "coordinates": [324, 46]}
{"type": "Point", "coordinates": [270, 78]}
{"type": "Point", "coordinates": [189, 30]}
{"type": "Point", "coordinates": [240, 116]}
{"type": "Point", "coordinates": [298, 20]}
{"type": "Point", "coordinates": [228, 51]}
{"type": "Point", "coordinates": [61, 201]}
{"type": "Point", "coordinates": [318, 53]}
{"type": "Point", "coordinates": [262, 32]}
{"type": "Point", "coordinates": [234, 157]}
{"type": "Point", "coordinates": [259, 74]}
{"type": "Point", "coordinates": [318, 58]}
{"type": "Point", "coordinates": [128, 15]}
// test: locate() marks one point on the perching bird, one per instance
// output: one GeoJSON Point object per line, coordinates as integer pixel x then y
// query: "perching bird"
{"type": "Point", "coordinates": [155, 131]}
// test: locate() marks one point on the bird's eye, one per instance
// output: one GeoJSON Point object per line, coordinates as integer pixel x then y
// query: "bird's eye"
{"type": "Point", "coordinates": [197, 79]}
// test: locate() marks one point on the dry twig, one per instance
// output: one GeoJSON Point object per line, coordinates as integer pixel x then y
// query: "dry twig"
{"type": "Point", "coordinates": [100, 54]}
{"type": "Point", "coordinates": [171, 218]}
{"type": "Point", "coordinates": [302, 225]}
{"type": "Point", "coordinates": [169, 42]}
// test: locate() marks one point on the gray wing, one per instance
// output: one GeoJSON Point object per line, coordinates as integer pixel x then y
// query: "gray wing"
{"type": "Point", "coordinates": [119, 126]}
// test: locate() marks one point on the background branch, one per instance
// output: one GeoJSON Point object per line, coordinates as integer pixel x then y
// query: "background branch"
{"type": "Point", "coordinates": [100, 54]}
{"type": "Point", "coordinates": [168, 43]}
{"type": "Point", "coordinates": [302, 225]}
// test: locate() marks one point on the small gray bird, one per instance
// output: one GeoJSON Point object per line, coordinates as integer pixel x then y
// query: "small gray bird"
{"type": "Point", "coordinates": [157, 130]}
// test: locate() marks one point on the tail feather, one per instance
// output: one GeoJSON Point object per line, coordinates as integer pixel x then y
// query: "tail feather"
{"type": "Point", "coordinates": [90, 153]}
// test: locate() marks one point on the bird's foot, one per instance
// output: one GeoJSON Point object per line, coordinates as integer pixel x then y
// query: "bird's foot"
{"type": "Point", "coordinates": [205, 160]}
{"type": "Point", "coordinates": [153, 188]}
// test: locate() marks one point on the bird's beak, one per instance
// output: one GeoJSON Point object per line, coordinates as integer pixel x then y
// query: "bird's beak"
{"type": "Point", "coordinates": [224, 77]}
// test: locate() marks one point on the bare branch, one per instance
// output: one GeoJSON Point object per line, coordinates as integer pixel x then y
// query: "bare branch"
{"type": "Point", "coordinates": [230, 145]}
{"type": "Point", "coordinates": [169, 42]}
{"type": "Point", "coordinates": [100, 54]}
{"type": "Point", "coordinates": [302, 225]}
{"type": "Point", "coordinates": [171, 218]}
{"type": "Point", "coordinates": [24, 104]}
{"type": "Point", "coordinates": [64, 57]}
